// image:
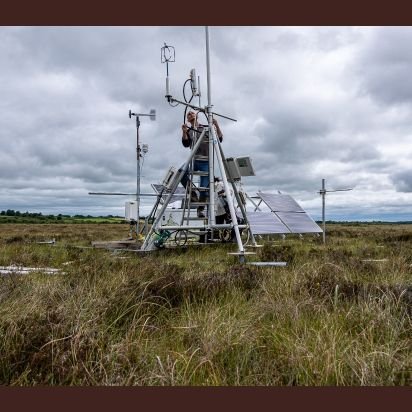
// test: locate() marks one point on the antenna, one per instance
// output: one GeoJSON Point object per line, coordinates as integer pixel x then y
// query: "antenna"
{"type": "Point", "coordinates": [193, 81]}
{"type": "Point", "coordinates": [167, 55]}
{"type": "Point", "coordinates": [199, 92]}
{"type": "Point", "coordinates": [323, 192]}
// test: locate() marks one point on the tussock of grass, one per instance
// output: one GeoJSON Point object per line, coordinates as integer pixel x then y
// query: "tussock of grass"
{"type": "Point", "coordinates": [196, 317]}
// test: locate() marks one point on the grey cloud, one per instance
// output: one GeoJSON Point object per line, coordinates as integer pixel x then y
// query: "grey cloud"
{"type": "Point", "coordinates": [385, 64]}
{"type": "Point", "coordinates": [403, 181]}
{"type": "Point", "coordinates": [362, 153]}
{"type": "Point", "coordinates": [292, 135]}
{"type": "Point", "coordinates": [66, 91]}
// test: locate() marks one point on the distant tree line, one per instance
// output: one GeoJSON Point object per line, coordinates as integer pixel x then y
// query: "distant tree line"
{"type": "Point", "coordinates": [11, 212]}
{"type": "Point", "coordinates": [15, 216]}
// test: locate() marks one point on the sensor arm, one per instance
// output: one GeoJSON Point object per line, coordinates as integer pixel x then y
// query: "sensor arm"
{"type": "Point", "coordinates": [200, 109]}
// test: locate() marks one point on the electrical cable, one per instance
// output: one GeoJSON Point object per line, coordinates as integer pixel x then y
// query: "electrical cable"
{"type": "Point", "coordinates": [185, 99]}
{"type": "Point", "coordinates": [184, 94]}
{"type": "Point", "coordinates": [184, 115]}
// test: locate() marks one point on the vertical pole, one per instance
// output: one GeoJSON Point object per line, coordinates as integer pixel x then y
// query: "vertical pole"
{"type": "Point", "coordinates": [209, 83]}
{"type": "Point", "coordinates": [137, 176]}
{"type": "Point", "coordinates": [230, 202]}
{"type": "Point", "coordinates": [212, 219]}
{"type": "Point", "coordinates": [213, 142]}
{"type": "Point", "coordinates": [323, 191]}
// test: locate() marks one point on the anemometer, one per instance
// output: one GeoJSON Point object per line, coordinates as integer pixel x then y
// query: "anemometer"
{"type": "Point", "coordinates": [168, 55]}
{"type": "Point", "coordinates": [152, 116]}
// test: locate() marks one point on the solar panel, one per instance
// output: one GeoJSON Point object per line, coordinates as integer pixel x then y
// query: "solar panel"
{"type": "Point", "coordinates": [299, 222]}
{"type": "Point", "coordinates": [179, 193]}
{"type": "Point", "coordinates": [264, 223]}
{"type": "Point", "coordinates": [290, 213]}
{"type": "Point", "coordinates": [280, 202]}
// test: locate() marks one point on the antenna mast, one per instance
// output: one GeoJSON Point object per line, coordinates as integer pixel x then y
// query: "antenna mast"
{"type": "Point", "coordinates": [152, 116]}
{"type": "Point", "coordinates": [323, 192]}
{"type": "Point", "coordinates": [213, 142]}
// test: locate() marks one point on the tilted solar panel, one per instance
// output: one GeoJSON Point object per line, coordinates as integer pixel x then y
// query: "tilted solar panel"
{"type": "Point", "coordinates": [280, 202]}
{"type": "Point", "coordinates": [290, 213]}
{"type": "Point", "coordinates": [265, 223]}
{"type": "Point", "coordinates": [299, 222]}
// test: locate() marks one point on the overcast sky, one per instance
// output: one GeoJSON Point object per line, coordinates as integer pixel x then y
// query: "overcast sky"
{"type": "Point", "coordinates": [311, 103]}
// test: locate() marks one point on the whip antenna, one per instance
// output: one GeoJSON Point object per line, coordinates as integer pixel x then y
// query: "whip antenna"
{"type": "Point", "coordinates": [167, 55]}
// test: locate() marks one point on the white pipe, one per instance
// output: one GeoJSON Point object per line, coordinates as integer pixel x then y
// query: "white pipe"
{"type": "Point", "coordinates": [217, 227]}
{"type": "Point", "coordinates": [21, 270]}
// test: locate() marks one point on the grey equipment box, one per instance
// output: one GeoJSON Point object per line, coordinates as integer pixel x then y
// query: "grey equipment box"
{"type": "Point", "coordinates": [239, 166]}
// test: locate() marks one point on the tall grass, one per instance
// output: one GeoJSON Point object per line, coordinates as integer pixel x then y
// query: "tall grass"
{"type": "Point", "coordinates": [195, 316]}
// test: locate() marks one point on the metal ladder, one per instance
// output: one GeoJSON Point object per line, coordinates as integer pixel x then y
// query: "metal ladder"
{"type": "Point", "coordinates": [186, 225]}
{"type": "Point", "coordinates": [191, 189]}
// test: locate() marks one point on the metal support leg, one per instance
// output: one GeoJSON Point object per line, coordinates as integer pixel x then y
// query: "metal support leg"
{"type": "Point", "coordinates": [147, 244]}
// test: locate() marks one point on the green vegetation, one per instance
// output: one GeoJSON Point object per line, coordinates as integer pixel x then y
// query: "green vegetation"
{"type": "Point", "coordinates": [338, 314]}
{"type": "Point", "coordinates": [12, 216]}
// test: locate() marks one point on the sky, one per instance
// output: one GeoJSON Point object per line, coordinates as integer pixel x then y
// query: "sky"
{"type": "Point", "coordinates": [310, 103]}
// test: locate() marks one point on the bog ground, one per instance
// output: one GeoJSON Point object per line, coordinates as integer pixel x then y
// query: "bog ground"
{"type": "Point", "coordinates": [336, 315]}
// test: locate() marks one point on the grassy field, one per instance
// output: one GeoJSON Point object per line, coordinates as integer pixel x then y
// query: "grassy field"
{"type": "Point", "coordinates": [338, 314]}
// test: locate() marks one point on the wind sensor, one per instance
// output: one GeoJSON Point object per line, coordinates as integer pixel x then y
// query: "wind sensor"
{"type": "Point", "coordinates": [168, 55]}
{"type": "Point", "coordinates": [139, 151]}
{"type": "Point", "coordinates": [152, 115]}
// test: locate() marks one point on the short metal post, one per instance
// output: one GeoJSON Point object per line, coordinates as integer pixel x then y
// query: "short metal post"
{"type": "Point", "coordinates": [137, 177]}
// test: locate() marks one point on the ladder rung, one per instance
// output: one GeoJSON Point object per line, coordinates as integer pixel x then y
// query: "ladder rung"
{"type": "Point", "coordinates": [202, 189]}
{"type": "Point", "coordinates": [196, 204]}
{"type": "Point", "coordinates": [200, 157]}
{"type": "Point", "coordinates": [199, 173]}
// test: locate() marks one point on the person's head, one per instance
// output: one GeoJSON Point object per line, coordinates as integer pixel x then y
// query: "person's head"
{"type": "Point", "coordinates": [191, 116]}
